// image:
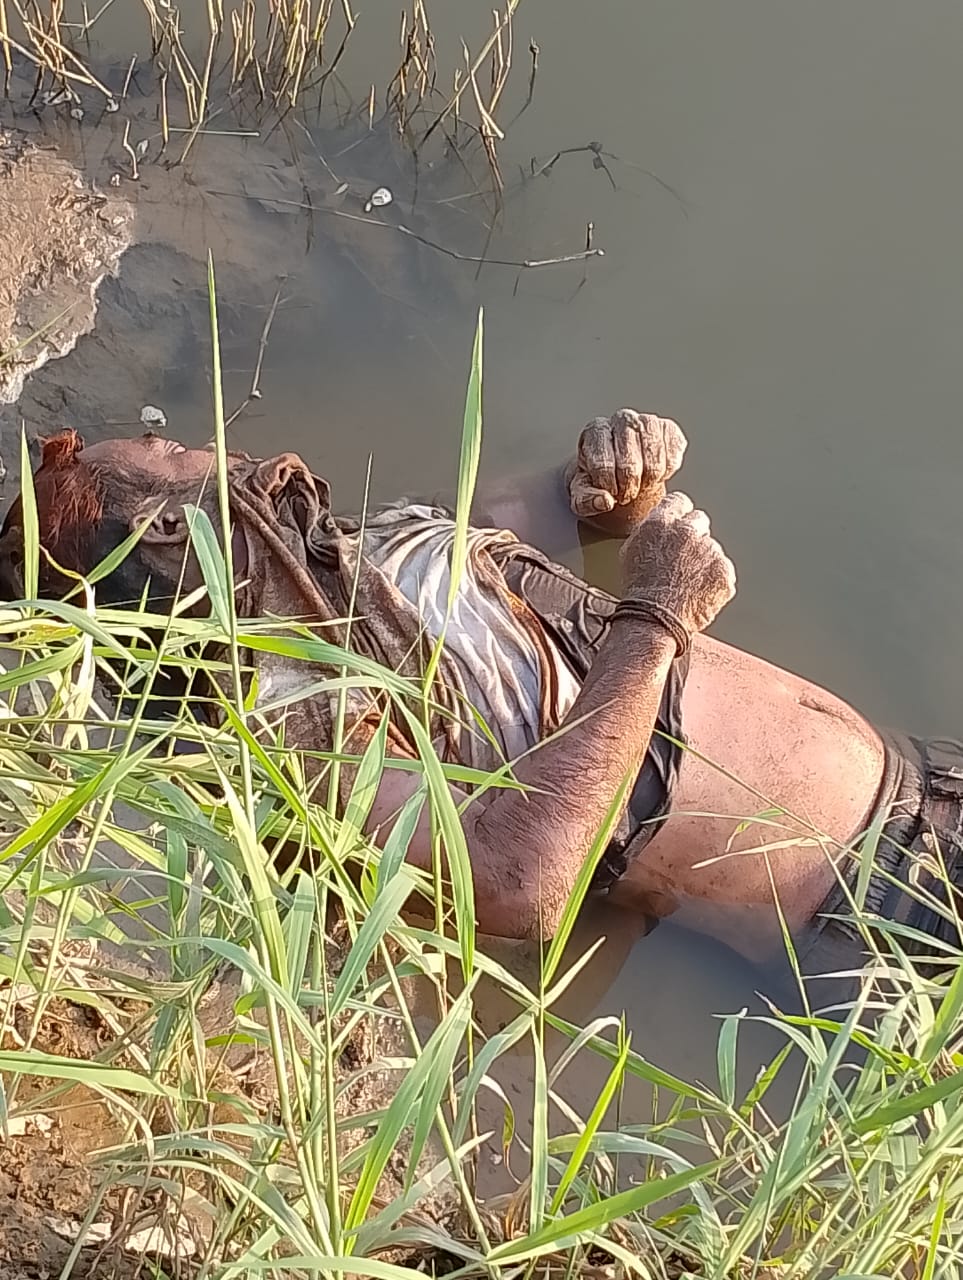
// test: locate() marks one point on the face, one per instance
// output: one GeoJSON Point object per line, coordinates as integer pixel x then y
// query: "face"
{"type": "Point", "coordinates": [158, 463]}
{"type": "Point", "coordinates": [150, 478]}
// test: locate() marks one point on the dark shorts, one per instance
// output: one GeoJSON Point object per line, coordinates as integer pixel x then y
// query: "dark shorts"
{"type": "Point", "coordinates": [916, 879]}
{"type": "Point", "coordinates": [576, 619]}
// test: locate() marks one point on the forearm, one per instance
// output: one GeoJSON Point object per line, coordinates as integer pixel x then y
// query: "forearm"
{"type": "Point", "coordinates": [528, 847]}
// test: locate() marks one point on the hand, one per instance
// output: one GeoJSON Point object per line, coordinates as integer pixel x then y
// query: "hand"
{"type": "Point", "coordinates": [672, 561]}
{"type": "Point", "coordinates": [622, 465]}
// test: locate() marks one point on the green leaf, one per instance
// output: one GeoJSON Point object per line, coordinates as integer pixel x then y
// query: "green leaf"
{"type": "Point", "coordinates": [31, 524]}
{"type": "Point", "coordinates": [559, 1233]}
{"type": "Point", "coordinates": [583, 881]}
{"type": "Point", "coordinates": [726, 1057]}
{"type": "Point", "coordinates": [384, 912]}
{"type": "Point", "coordinates": [210, 557]}
{"type": "Point", "coordinates": [913, 1104]}
{"type": "Point", "coordinates": [97, 1075]}
{"type": "Point", "coordinates": [425, 1081]}
{"type": "Point", "coordinates": [591, 1127]}
{"type": "Point", "coordinates": [364, 790]}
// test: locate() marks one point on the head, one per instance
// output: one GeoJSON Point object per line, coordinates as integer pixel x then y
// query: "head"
{"type": "Point", "coordinates": [89, 499]}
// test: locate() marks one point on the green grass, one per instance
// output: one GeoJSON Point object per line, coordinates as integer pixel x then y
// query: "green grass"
{"type": "Point", "coordinates": [863, 1178]}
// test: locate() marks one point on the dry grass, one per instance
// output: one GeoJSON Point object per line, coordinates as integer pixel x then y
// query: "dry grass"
{"type": "Point", "coordinates": [278, 54]}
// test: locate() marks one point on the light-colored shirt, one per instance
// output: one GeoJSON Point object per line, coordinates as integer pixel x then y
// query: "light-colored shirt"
{"type": "Point", "coordinates": [499, 667]}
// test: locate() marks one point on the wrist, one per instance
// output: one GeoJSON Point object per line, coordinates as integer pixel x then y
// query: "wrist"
{"type": "Point", "coordinates": [655, 614]}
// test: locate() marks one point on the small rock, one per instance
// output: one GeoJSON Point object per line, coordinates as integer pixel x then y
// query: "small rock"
{"type": "Point", "coordinates": [378, 199]}
{"type": "Point", "coordinates": [160, 1238]}
{"type": "Point", "coordinates": [153, 417]}
{"type": "Point", "coordinates": [96, 1233]}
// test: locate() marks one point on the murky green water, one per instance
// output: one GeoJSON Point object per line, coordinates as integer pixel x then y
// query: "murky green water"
{"type": "Point", "coordinates": [796, 301]}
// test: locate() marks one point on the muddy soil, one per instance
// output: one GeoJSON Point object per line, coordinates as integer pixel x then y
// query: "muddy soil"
{"type": "Point", "coordinates": [59, 237]}
{"type": "Point", "coordinates": [53, 1166]}
{"type": "Point", "coordinates": [275, 216]}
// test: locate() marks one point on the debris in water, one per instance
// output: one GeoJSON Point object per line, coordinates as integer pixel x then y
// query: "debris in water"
{"type": "Point", "coordinates": [115, 179]}
{"type": "Point", "coordinates": [76, 113]}
{"type": "Point", "coordinates": [342, 189]}
{"type": "Point", "coordinates": [111, 106]}
{"type": "Point", "coordinates": [153, 417]}
{"type": "Point", "coordinates": [377, 199]}
{"type": "Point", "coordinates": [54, 97]}
{"type": "Point", "coordinates": [141, 148]}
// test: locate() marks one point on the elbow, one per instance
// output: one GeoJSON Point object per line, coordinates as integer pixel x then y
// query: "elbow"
{"type": "Point", "coordinates": [516, 914]}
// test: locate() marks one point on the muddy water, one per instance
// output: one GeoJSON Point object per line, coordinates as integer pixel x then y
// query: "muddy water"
{"type": "Point", "coordinates": [793, 293]}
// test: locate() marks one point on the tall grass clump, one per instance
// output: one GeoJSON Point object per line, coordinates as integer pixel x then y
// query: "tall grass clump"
{"type": "Point", "coordinates": [274, 1100]}
{"type": "Point", "coordinates": [267, 55]}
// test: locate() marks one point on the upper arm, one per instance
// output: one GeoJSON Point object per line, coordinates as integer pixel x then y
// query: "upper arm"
{"type": "Point", "coordinates": [395, 789]}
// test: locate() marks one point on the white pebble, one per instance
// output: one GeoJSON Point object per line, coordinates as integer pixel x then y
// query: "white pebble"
{"type": "Point", "coordinates": [378, 198]}
{"type": "Point", "coordinates": [151, 416]}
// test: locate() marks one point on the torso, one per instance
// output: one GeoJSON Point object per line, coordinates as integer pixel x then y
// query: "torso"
{"type": "Point", "coordinates": [763, 744]}
{"type": "Point", "coordinates": [761, 739]}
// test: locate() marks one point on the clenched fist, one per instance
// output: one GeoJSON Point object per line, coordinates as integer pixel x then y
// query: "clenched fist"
{"type": "Point", "coordinates": [672, 562]}
{"type": "Point", "coordinates": [620, 471]}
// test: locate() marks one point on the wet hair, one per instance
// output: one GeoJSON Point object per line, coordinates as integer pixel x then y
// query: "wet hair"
{"type": "Point", "coordinates": [77, 530]}
{"type": "Point", "coordinates": [70, 511]}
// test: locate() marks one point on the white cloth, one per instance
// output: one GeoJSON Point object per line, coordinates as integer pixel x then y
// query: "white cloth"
{"type": "Point", "coordinates": [498, 663]}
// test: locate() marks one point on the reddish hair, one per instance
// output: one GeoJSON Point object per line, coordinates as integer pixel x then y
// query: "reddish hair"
{"type": "Point", "coordinates": [70, 502]}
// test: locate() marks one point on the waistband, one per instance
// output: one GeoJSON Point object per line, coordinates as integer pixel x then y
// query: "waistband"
{"type": "Point", "coordinates": [917, 862]}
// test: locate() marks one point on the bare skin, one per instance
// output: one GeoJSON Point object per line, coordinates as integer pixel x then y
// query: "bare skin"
{"type": "Point", "coordinates": [760, 738]}
{"type": "Point", "coordinates": [789, 744]}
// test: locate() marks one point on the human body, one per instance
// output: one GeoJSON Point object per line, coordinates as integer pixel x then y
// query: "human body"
{"type": "Point", "coordinates": [778, 778]}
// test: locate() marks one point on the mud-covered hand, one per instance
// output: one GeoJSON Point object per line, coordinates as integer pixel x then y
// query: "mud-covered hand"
{"type": "Point", "coordinates": [620, 471]}
{"type": "Point", "coordinates": [674, 571]}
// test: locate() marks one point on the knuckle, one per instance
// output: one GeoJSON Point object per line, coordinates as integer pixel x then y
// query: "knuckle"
{"type": "Point", "coordinates": [594, 437]}
{"type": "Point", "coordinates": [627, 419]}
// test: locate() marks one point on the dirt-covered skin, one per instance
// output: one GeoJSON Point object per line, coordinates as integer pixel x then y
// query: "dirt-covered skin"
{"type": "Point", "coordinates": [59, 238]}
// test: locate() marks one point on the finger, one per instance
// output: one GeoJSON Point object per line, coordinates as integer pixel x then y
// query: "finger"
{"type": "Point", "coordinates": [586, 499]}
{"type": "Point", "coordinates": [698, 521]}
{"type": "Point", "coordinates": [597, 456]}
{"type": "Point", "coordinates": [728, 568]}
{"type": "Point", "coordinates": [674, 506]}
{"type": "Point", "coordinates": [653, 448]}
{"type": "Point", "coordinates": [675, 446]}
{"type": "Point", "coordinates": [627, 447]}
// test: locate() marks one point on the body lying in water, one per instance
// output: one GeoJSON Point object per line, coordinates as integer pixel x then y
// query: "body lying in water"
{"type": "Point", "coordinates": [749, 785]}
